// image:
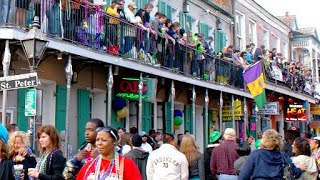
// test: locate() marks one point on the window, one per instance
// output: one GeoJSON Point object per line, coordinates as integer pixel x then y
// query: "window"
{"type": "Point", "coordinates": [284, 49]}
{"type": "Point", "coordinates": [204, 28]}
{"type": "Point", "coordinates": [167, 10]}
{"type": "Point", "coordinates": [266, 38]}
{"type": "Point", "coordinates": [141, 3]}
{"type": "Point", "coordinates": [252, 32]}
{"type": "Point", "coordinates": [240, 31]}
{"type": "Point", "coordinates": [276, 43]}
{"type": "Point", "coordinates": [219, 41]}
{"type": "Point", "coordinates": [190, 21]}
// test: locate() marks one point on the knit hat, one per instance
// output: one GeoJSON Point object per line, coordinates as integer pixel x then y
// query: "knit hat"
{"type": "Point", "coordinates": [142, 133]}
{"type": "Point", "coordinates": [4, 135]}
{"type": "Point", "coordinates": [215, 135]}
{"type": "Point", "coordinates": [136, 140]}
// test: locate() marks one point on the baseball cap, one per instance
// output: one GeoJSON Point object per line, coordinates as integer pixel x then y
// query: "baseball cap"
{"type": "Point", "coordinates": [142, 133]}
{"type": "Point", "coordinates": [133, 4]}
{"type": "Point", "coordinates": [4, 135]}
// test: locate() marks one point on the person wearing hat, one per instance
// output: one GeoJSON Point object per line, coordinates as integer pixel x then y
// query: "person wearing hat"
{"type": "Point", "coordinates": [109, 164]}
{"type": "Point", "coordinates": [291, 134]}
{"type": "Point", "coordinates": [224, 156]}
{"type": "Point", "coordinates": [145, 145]}
{"type": "Point", "coordinates": [6, 164]}
{"type": "Point", "coordinates": [167, 162]}
{"type": "Point", "coordinates": [138, 155]}
{"type": "Point", "coordinates": [214, 140]}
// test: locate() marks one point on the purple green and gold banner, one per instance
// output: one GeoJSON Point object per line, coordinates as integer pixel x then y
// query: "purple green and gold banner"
{"type": "Point", "coordinates": [254, 79]}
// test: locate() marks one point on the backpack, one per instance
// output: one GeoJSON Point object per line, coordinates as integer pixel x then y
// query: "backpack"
{"type": "Point", "coordinates": [287, 169]}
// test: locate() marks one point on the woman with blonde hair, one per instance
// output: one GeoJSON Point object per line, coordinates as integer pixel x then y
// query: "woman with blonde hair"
{"type": "Point", "coordinates": [194, 157]}
{"type": "Point", "coordinates": [125, 142]}
{"type": "Point", "coordinates": [17, 152]}
{"type": "Point", "coordinates": [267, 162]}
{"type": "Point", "coordinates": [52, 162]}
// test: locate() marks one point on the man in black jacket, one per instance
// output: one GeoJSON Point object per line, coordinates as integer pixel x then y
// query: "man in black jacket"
{"type": "Point", "coordinates": [139, 156]}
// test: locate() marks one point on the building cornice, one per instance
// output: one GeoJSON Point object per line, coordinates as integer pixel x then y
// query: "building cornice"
{"type": "Point", "coordinates": [264, 15]}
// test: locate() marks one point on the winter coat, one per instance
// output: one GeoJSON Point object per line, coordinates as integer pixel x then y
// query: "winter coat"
{"type": "Point", "coordinates": [140, 157]}
{"type": "Point", "coordinates": [311, 172]}
{"type": "Point", "coordinates": [264, 164]}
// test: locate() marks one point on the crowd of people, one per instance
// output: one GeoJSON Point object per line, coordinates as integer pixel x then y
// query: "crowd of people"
{"type": "Point", "coordinates": [110, 153]}
{"type": "Point", "coordinates": [155, 39]}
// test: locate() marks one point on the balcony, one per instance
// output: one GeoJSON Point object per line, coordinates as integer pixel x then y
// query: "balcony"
{"type": "Point", "coordinates": [89, 27]}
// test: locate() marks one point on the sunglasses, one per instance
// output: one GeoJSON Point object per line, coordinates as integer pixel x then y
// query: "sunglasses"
{"type": "Point", "coordinates": [107, 129]}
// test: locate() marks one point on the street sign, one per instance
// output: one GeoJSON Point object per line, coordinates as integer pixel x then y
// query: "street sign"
{"type": "Point", "coordinates": [30, 102]}
{"type": "Point", "coordinates": [19, 81]}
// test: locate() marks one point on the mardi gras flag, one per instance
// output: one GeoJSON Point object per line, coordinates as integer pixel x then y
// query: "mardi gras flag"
{"type": "Point", "coordinates": [254, 79]}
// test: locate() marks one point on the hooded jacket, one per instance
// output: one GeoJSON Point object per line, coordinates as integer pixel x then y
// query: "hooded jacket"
{"type": "Point", "coordinates": [264, 164]}
{"type": "Point", "coordinates": [140, 157]}
{"type": "Point", "coordinates": [311, 172]}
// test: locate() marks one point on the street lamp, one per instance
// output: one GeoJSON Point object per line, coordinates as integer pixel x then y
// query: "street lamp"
{"type": "Point", "coordinates": [34, 45]}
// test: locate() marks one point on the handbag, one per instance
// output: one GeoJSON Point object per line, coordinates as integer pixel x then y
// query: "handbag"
{"type": "Point", "coordinates": [287, 169]}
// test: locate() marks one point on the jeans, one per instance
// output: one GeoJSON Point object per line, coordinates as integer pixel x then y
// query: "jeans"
{"type": "Point", "coordinates": [53, 15]}
{"type": "Point", "coordinates": [5, 7]}
{"type": "Point", "coordinates": [227, 177]}
{"type": "Point", "coordinates": [129, 41]}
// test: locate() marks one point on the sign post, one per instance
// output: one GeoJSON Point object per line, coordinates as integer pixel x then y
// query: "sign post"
{"type": "Point", "coordinates": [30, 111]}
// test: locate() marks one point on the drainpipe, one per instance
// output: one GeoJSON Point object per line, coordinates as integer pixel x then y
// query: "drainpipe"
{"type": "Point", "coordinates": [220, 111]}
{"type": "Point", "coordinates": [173, 93]}
{"type": "Point", "coordinates": [206, 123]}
{"type": "Point", "coordinates": [290, 45]}
{"type": "Point", "coordinates": [109, 86]}
{"type": "Point", "coordinates": [140, 102]}
{"type": "Point", "coordinates": [234, 23]}
{"type": "Point", "coordinates": [69, 73]}
{"type": "Point", "coordinates": [6, 65]}
{"type": "Point", "coordinates": [194, 96]}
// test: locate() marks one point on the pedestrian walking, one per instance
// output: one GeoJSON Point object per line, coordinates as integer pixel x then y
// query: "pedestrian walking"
{"type": "Point", "coordinates": [52, 162]}
{"type": "Point", "coordinates": [19, 154]}
{"type": "Point", "coordinates": [145, 145]}
{"type": "Point", "coordinates": [315, 148]}
{"type": "Point", "coordinates": [167, 162]}
{"type": "Point", "coordinates": [243, 150]}
{"type": "Point", "coordinates": [214, 139]}
{"type": "Point", "coordinates": [267, 162]}
{"type": "Point", "coordinates": [109, 164]}
{"type": "Point", "coordinates": [224, 156]}
{"type": "Point", "coordinates": [301, 149]}
{"type": "Point", "coordinates": [138, 155]}
{"type": "Point", "coordinates": [6, 165]}
{"type": "Point", "coordinates": [87, 150]}
{"type": "Point", "coordinates": [194, 157]}
{"type": "Point", "coordinates": [125, 143]}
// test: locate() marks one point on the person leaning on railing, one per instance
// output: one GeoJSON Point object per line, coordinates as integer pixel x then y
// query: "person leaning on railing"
{"type": "Point", "coordinates": [111, 34]}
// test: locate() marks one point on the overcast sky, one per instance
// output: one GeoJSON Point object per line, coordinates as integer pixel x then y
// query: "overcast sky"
{"type": "Point", "coordinates": [306, 11]}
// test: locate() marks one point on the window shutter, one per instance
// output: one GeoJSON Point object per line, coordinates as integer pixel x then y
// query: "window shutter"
{"type": "Point", "coordinates": [83, 113]}
{"type": "Point", "coordinates": [199, 27]}
{"type": "Point", "coordinates": [169, 12]}
{"type": "Point", "coordinates": [143, 3]}
{"type": "Point", "coordinates": [182, 20]}
{"type": "Point", "coordinates": [168, 117]}
{"type": "Point", "coordinates": [22, 120]}
{"type": "Point", "coordinates": [162, 7]}
{"type": "Point", "coordinates": [216, 41]}
{"type": "Point", "coordinates": [146, 116]}
{"type": "Point", "coordinates": [188, 125]}
{"type": "Point", "coordinates": [61, 100]}
{"type": "Point", "coordinates": [206, 31]}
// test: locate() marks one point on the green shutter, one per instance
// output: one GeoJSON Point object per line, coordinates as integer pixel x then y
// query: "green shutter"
{"type": "Point", "coordinates": [206, 31]}
{"type": "Point", "coordinates": [189, 19]}
{"type": "Point", "coordinates": [61, 100]}
{"type": "Point", "coordinates": [168, 117]}
{"type": "Point", "coordinates": [162, 7]}
{"type": "Point", "coordinates": [219, 40]}
{"type": "Point", "coordinates": [169, 12]}
{"type": "Point", "coordinates": [182, 20]}
{"type": "Point", "coordinates": [188, 119]}
{"type": "Point", "coordinates": [83, 113]}
{"type": "Point", "coordinates": [22, 120]}
{"type": "Point", "coordinates": [146, 116]}
{"type": "Point", "coordinates": [199, 27]}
